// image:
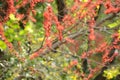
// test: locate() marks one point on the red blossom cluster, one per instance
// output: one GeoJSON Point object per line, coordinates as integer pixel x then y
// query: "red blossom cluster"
{"type": "Point", "coordinates": [49, 19]}
{"type": "Point", "coordinates": [36, 54]}
{"type": "Point", "coordinates": [85, 10]}
{"type": "Point", "coordinates": [6, 9]}
{"type": "Point", "coordinates": [71, 65]}
{"type": "Point", "coordinates": [9, 44]}
{"type": "Point", "coordinates": [2, 35]}
{"type": "Point", "coordinates": [117, 2]}
{"type": "Point", "coordinates": [80, 11]}
{"type": "Point", "coordinates": [110, 8]}
{"type": "Point", "coordinates": [105, 49]}
{"type": "Point", "coordinates": [47, 24]}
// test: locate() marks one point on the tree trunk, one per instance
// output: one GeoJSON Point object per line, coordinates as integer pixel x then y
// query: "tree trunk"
{"type": "Point", "coordinates": [61, 6]}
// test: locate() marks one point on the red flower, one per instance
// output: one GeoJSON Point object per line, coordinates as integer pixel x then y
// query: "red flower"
{"type": "Point", "coordinates": [34, 55]}
{"type": "Point", "coordinates": [74, 62]}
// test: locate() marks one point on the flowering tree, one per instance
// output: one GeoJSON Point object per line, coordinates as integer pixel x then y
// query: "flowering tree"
{"type": "Point", "coordinates": [61, 40]}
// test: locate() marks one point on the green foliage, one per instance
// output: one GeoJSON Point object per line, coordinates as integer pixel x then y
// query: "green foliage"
{"type": "Point", "coordinates": [48, 68]}
{"type": "Point", "coordinates": [112, 73]}
{"type": "Point", "coordinates": [51, 66]}
{"type": "Point", "coordinates": [114, 24]}
{"type": "Point", "coordinates": [2, 45]}
{"type": "Point", "coordinates": [13, 30]}
{"type": "Point", "coordinates": [12, 17]}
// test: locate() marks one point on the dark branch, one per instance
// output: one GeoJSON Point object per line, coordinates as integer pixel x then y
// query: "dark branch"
{"type": "Point", "coordinates": [61, 9]}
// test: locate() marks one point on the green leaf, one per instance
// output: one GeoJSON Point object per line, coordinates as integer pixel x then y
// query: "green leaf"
{"type": "Point", "coordinates": [28, 27]}
{"type": "Point", "coordinates": [22, 32]}
{"type": "Point", "coordinates": [10, 39]}
{"type": "Point", "coordinates": [15, 26]}
{"type": "Point", "coordinates": [114, 24]}
{"type": "Point", "coordinates": [12, 17]}
{"type": "Point", "coordinates": [2, 45]}
{"type": "Point", "coordinates": [17, 38]}
{"type": "Point", "coordinates": [11, 31]}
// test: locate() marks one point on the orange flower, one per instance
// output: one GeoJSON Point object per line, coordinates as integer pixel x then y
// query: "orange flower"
{"type": "Point", "coordinates": [74, 62]}
{"type": "Point", "coordinates": [34, 55]}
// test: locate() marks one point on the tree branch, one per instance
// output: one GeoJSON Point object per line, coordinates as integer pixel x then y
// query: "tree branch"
{"type": "Point", "coordinates": [56, 44]}
{"type": "Point", "coordinates": [103, 20]}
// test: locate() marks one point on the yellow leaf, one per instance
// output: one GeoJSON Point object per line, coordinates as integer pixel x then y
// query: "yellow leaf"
{"type": "Point", "coordinates": [40, 39]}
{"type": "Point", "coordinates": [74, 77]}
{"type": "Point", "coordinates": [12, 17]}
